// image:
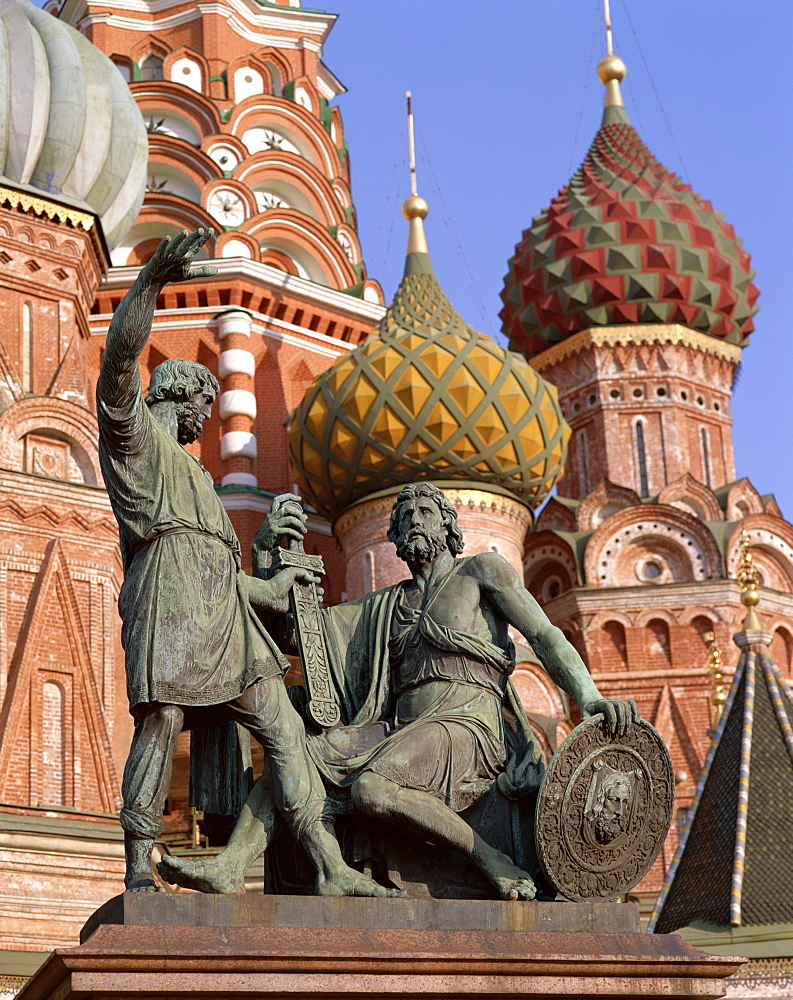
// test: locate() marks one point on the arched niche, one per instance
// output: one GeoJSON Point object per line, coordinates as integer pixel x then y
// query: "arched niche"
{"type": "Point", "coordinates": [613, 647]}
{"type": "Point", "coordinates": [51, 437]}
{"type": "Point", "coordinates": [781, 650]}
{"type": "Point", "coordinates": [657, 644]}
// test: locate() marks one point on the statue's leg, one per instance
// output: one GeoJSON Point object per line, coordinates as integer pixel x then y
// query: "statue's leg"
{"type": "Point", "coordinates": [250, 837]}
{"type": "Point", "coordinates": [266, 711]}
{"type": "Point", "coordinates": [147, 777]}
{"type": "Point", "coordinates": [422, 815]}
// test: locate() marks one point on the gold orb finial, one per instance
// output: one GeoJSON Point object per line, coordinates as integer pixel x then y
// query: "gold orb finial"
{"type": "Point", "coordinates": [718, 696]}
{"type": "Point", "coordinates": [611, 68]}
{"type": "Point", "coordinates": [415, 207]}
{"type": "Point", "coordinates": [749, 580]}
{"type": "Point", "coordinates": [748, 575]}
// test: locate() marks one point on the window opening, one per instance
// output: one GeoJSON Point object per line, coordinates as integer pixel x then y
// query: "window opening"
{"type": "Point", "coordinates": [642, 457]}
{"type": "Point", "coordinates": [705, 455]}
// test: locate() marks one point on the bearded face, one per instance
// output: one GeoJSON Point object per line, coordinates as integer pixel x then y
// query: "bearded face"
{"type": "Point", "coordinates": [417, 544]}
{"type": "Point", "coordinates": [190, 415]}
{"type": "Point", "coordinates": [610, 819]}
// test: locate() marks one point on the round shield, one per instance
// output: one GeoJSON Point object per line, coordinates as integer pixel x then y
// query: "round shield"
{"type": "Point", "coordinates": [604, 809]}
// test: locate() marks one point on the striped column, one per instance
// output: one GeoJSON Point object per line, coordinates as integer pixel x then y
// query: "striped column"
{"type": "Point", "coordinates": [237, 402]}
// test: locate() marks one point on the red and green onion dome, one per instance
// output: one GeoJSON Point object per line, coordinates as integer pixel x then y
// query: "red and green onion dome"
{"type": "Point", "coordinates": [626, 241]}
{"type": "Point", "coordinates": [426, 397]}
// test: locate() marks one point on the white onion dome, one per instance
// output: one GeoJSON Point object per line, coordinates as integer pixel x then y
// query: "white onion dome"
{"type": "Point", "coordinates": [69, 126]}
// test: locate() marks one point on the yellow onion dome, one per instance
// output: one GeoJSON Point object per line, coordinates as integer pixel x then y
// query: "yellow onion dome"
{"type": "Point", "coordinates": [426, 397]}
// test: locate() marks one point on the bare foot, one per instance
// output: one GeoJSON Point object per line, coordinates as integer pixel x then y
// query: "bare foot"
{"type": "Point", "coordinates": [517, 888]}
{"type": "Point", "coordinates": [142, 883]}
{"type": "Point", "coordinates": [510, 881]}
{"type": "Point", "coordinates": [199, 874]}
{"type": "Point", "coordinates": [348, 882]}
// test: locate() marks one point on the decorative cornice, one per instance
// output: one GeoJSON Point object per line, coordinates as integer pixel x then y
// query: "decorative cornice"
{"type": "Point", "coordinates": [649, 333]}
{"type": "Point", "coordinates": [41, 206]}
{"type": "Point", "coordinates": [271, 278]}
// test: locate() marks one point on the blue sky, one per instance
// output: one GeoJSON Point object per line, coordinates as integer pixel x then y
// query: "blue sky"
{"type": "Point", "coordinates": [507, 101]}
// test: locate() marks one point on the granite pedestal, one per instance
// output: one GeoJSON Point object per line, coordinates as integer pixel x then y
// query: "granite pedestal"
{"type": "Point", "coordinates": [187, 945]}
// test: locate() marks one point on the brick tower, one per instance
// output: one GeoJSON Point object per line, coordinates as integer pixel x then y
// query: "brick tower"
{"type": "Point", "coordinates": [72, 177]}
{"type": "Point", "coordinates": [236, 132]}
{"type": "Point", "coordinates": [242, 138]}
{"type": "Point", "coordinates": [635, 298]}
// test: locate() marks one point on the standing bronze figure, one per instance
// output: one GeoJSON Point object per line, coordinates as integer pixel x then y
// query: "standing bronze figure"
{"type": "Point", "coordinates": [197, 655]}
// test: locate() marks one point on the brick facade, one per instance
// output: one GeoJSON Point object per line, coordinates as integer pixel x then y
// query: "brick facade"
{"type": "Point", "coordinates": [636, 558]}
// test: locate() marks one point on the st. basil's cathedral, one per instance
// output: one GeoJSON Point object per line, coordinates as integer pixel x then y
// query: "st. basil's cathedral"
{"type": "Point", "coordinates": [627, 304]}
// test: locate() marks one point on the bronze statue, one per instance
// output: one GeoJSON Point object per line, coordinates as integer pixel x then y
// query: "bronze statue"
{"type": "Point", "coordinates": [196, 653]}
{"type": "Point", "coordinates": [432, 723]}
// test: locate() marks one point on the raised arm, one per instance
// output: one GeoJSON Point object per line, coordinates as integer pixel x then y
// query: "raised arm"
{"type": "Point", "coordinates": [119, 378]}
{"type": "Point", "coordinates": [565, 667]}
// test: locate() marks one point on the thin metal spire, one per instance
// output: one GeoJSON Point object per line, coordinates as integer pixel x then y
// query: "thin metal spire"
{"type": "Point", "coordinates": [412, 145]}
{"type": "Point", "coordinates": [607, 19]}
{"type": "Point", "coordinates": [414, 207]}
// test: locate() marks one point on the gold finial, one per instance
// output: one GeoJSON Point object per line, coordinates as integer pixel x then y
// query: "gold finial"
{"type": "Point", "coordinates": [718, 695]}
{"type": "Point", "coordinates": [611, 69]}
{"type": "Point", "coordinates": [749, 580]}
{"type": "Point", "coordinates": [414, 207]}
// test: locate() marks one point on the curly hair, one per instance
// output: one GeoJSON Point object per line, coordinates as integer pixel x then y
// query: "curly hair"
{"type": "Point", "coordinates": [178, 379]}
{"type": "Point", "coordinates": [454, 536]}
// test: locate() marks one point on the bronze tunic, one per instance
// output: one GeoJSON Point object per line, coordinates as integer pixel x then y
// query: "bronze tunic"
{"type": "Point", "coordinates": [189, 632]}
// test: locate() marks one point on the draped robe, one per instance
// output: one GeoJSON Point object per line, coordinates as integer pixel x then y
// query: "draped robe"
{"type": "Point", "coordinates": [456, 744]}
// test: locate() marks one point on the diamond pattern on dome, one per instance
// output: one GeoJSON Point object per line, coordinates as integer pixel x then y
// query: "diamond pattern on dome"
{"type": "Point", "coordinates": [621, 216]}
{"type": "Point", "coordinates": [425, 397]}
{"type": "Point", "coordinates": [413, 391]}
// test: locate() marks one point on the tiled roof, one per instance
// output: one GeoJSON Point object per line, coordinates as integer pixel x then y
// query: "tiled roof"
{"type": "Point", "coordinates": [733, 862]}
{"type": "Point", "coordinates": [626, 241]}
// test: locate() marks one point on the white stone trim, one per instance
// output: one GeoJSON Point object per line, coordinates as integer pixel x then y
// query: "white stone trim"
{"type": "Point", "coordinates": [237, 402]}
{"type": "Point", "coordinates": [233, 322]}
{"type": "Point", "coordinates": [236, 361]}
{"type": "Point", "coordinates": [302, 22]}
{"type": "Point", "coordinates": [239, 479]}
{"type": "Point", "coordinates": [236, 444]}
{"type": "Point", "coordinates": [268, 278]}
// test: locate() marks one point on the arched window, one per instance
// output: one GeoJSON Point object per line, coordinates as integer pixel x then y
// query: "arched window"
{"type": "Point", "coordinates": [614, 647]}
{"type": "Point", "coordinates": [27, 346]}
{"type": "Point", "coordinates": [703, 437]}
{"type": "Point", "coordinates": [782, 650]}
{"type": "Point", "coordinates": [151, 67]}
{"type": "Point", "coordinates": [641, 457]}
{"type": "Point", "coordinates": [368, 571]}
{"type": "Point", "coordinates": [53, 770]}
{"type": "Point", "coordinates": [583, 464]}
{"type": "Point", "coordinates": [658, 646]}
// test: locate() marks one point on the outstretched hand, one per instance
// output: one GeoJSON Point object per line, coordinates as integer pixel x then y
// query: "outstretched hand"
{"type": "Point", "coordinates": [173, 258]}
{"type": "Point", "coordinates": [617, 715]}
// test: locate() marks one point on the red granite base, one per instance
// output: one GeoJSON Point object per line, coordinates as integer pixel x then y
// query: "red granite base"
{"type": "Point", "coordinates": [303, 947]}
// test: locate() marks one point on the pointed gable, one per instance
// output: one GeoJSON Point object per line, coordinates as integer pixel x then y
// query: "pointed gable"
{"type": "Point", "coordinates": [52, 672]}
{"type": "Point", "coordinates": [732, 866]}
